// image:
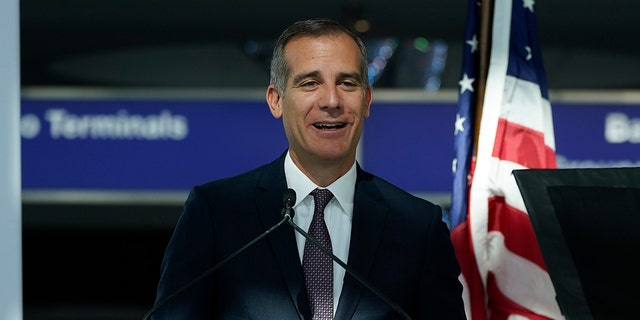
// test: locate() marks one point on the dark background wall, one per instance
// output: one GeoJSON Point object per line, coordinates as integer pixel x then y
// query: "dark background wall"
{"type": "Point", "coordinates": [93, 261]}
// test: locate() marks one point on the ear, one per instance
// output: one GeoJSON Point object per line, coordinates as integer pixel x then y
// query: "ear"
{"type": "Point", "coordinates": [368, 98]}
{"type": "Point", "coordinates": [273, 99]}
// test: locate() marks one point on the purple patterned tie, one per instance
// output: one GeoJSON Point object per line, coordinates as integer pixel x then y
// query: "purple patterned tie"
{"type": "Point", "coordinates": [318, 267]}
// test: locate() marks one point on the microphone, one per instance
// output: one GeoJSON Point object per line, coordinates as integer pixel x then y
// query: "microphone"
{"type": "Point", "coordinates": [289, 217]}
{"type": "Point", "coordinates": [288, 199]}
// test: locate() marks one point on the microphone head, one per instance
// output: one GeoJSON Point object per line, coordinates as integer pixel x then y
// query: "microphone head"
{"type": "Point", "coordinates": [289, 198]}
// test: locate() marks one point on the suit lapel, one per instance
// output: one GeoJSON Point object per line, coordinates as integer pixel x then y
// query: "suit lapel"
{"type": "Point", "coordinates": [369, 214]}
{"type": "Point", "coordinates": [271, 186]}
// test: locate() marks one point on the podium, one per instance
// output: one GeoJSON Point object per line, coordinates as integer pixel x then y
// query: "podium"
{"type": "Point", "coordinates": [587, 222]}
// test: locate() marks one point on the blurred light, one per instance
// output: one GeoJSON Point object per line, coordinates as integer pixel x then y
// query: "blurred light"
{"type": "Point", "coordinates": [421, 63]}
{"type": "Point", "coordinates": [379, 62]}
{"type": "Point", "coordinates": [379, 51]}
{"type": "Point", "coordinates": [433, 83]}
{"type": "Point", "coordinates": [421, 44]}
{"type": "Point", "coordinates": [439, 59]}
{"type": "Point", "coordinates": [362, 26]}
{"type": "Point", "coordinates": [385, 51]}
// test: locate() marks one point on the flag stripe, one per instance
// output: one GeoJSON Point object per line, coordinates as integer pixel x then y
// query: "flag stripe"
{"type": "Point", "coordinates": [473, 295]}
{"type": "Point", "coordinates": [516, 229]}
{"type": "Point", "coordinates": [525, 103]}
{"type": "Point", "coordinates": [521, 145]}
{"type": "Point", "coordinates": [504, 308]}
{"type": "Point", "coordinates": [505, 184]}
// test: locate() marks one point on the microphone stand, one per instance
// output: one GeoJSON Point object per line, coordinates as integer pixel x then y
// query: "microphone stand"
{"type": "Point", "coordinates": [211, 270]}
{"type": "Point", "coordinates": [287, 213]}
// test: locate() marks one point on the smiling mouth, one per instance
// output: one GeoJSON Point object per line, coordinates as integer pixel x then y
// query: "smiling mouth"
{"type": "Point", "coordinates": [330, 126]}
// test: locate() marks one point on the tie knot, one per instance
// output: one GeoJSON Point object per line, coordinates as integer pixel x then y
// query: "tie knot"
{"type": "Point", "coordinates": [321, 197]}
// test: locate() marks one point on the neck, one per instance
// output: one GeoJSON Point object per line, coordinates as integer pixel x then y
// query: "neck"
{"type": "Point", "coordinates": [323, 172]}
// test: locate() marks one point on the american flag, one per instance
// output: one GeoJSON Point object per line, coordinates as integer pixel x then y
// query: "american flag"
{"type": "Point", "coordinates": [503, 272]}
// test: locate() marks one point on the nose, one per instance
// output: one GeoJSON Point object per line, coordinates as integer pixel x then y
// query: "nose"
{"type": "Point", "coordinates": [330, 97]}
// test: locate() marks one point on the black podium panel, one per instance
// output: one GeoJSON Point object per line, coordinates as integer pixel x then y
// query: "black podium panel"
{"type": "Point", "coordinates": [587, 222]}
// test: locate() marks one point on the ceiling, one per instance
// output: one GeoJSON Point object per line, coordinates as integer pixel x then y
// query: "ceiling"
{"type": "Point", "coordinates": [163, 43]}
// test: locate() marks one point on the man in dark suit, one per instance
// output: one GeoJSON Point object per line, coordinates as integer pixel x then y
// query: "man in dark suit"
{"type": "Point", "coordinates": [395, 241]}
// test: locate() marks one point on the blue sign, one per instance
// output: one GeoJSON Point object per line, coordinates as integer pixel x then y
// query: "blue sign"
{"type": "Point", "coordinates": [411, 144]}
{"type": "Point", "coordinates": [149, 144]}
{"type": "Point", "coordinates": [590, 135]}
{"type": "Point", "coordinates": [173, 144]}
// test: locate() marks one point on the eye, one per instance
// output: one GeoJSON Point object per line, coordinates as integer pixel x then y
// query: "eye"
{"type": "Point", "coordinates": [309, 84]}
{"type": "Point", "coordinates": [349, 85]}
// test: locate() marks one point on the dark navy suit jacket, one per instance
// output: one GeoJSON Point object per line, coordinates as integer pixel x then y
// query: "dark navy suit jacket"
{"type": "Point", "coordinates": [398, 243]}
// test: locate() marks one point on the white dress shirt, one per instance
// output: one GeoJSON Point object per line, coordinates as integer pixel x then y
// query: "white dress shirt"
{"type": "Point", "coordinates": [337, 215]}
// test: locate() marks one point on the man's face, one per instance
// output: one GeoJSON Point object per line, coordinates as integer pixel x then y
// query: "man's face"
{"type": "Point", "coordinates": [325, 102]}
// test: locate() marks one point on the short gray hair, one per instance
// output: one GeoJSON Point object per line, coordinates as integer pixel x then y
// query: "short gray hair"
{"type": "Point", "coordinates": [314, 28]}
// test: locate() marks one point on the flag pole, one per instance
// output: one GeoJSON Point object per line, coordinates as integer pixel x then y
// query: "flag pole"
{"type": "Point", "coordinates": [484, 56]}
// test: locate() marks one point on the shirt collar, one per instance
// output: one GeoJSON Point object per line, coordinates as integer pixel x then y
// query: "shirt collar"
{"type": "Point", "coordinates": [342, 189]}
